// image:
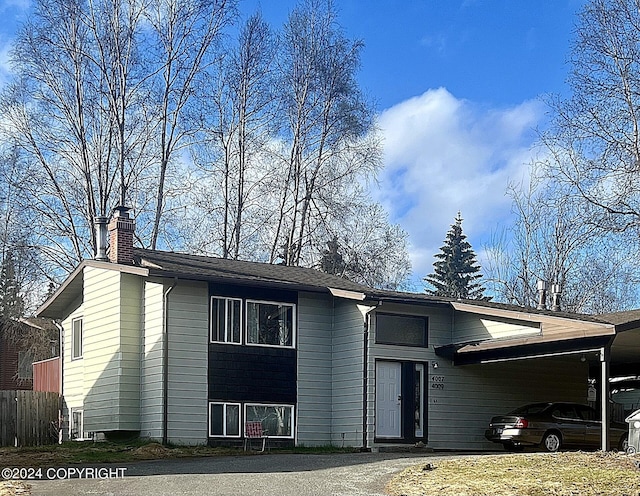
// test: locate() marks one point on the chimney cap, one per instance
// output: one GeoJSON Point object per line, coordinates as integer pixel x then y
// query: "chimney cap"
{"type": "Point", "coordinates": [121, 211]}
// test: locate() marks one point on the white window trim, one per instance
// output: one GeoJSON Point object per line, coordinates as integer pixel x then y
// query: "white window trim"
{"type": "Point", "coordinates": [294, 327]}
{"type": "Point", "coordinates": [226, 319]}
{"type": "Point", "coordinates": [275, 405]}
{"type": "Point", "coordinates": [72, 411]}
{"type": "Point", "coordinates": [224, 418]}
{"type": "Point", "coordinates": [73, 338]}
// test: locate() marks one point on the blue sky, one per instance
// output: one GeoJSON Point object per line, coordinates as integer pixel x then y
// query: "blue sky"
{"type": "Point", "coordinates": [458, 87]}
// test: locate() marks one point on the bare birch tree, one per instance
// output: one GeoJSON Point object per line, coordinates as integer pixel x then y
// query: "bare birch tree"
{"type": "Point", "coordinates": [98, 108]}
{"type": "Point", "coordinates": [595, 139]}
{"type": "Point", "coordinates": [549, 241]}
{"type": "Point", "coordinates": [185, 36]}
{"type": "Point", "coordinates": [327, 119]}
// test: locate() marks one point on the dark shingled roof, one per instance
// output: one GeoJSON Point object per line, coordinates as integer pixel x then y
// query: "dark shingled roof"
{"type": "Point", "coordinates": [620, 318]}
{"type": "Point", "coordinates": [165, 264]}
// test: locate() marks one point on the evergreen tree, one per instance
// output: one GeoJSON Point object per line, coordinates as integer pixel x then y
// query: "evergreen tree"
{"type": "Point", "coordinates": [456, 270]}
{"type": "Point", "coordinates": [332, 261]}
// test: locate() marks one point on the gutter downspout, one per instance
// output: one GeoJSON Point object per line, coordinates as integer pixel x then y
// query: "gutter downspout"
{"type": "Point", "coordinates": [165, 362]}
{"type": "Point", "coordinates": [61, 381]}
{"type": "Point", "coordinates": [366, 313]}
{"type": "Point", "coordinates": [365, 379]}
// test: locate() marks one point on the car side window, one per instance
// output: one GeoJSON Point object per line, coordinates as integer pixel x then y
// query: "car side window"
{"type": "Point", "coordinates": [587, 413]}
{"type": "Point", "coordinates": [565, 412]}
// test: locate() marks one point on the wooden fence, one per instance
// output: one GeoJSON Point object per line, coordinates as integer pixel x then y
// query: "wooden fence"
{"type": "Point", "coordinates": [28, 418]}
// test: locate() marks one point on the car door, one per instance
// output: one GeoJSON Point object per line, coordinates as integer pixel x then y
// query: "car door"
{"type": "Point", "coordinates": [572, 427]}
{"type": "Point", "coordinates": [593, 426]}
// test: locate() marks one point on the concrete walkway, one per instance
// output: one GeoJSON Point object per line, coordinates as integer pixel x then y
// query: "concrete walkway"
{"type": "Point", "coordinates": [356, 474]}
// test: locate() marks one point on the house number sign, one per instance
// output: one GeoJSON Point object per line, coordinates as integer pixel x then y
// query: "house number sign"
{"type": "Point", "coordinates": [437, 382]}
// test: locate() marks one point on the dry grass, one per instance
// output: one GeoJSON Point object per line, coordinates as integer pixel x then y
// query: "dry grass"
{"type": "Point", "coordinates": [559, 474]}
{"type": "Point", "coordinates": [14, 488]}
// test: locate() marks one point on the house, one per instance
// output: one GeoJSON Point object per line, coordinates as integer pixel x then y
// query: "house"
{"type": "Point", "coordinates": [188, 349]}
{"type": "Point", "coordinates": [18, 350]}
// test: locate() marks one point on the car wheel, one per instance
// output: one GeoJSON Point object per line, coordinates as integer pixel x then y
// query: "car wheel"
{"type": "Point", "coordinates": [551, 442]}
{"type": "Point", "coordinates": [623, 445]}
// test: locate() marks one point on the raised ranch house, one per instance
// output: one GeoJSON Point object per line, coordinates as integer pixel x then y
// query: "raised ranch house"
{"type": "Point", "coordinates": [188, 349]}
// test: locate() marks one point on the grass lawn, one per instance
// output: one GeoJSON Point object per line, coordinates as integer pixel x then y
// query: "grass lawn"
{"type": "Point", "coordinates": [531, 474]}
{"type": "Point", "coordinates": [73, 452]}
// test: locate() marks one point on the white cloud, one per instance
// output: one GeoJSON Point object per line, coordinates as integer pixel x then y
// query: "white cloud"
{"type": "Point", "coordinates": [444, 155]}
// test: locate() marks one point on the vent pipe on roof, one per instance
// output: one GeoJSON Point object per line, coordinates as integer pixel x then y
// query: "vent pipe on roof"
{"type": "Point", "coordinates": [100, 224]}
{"type": "Point", "coordinates": [542, 295]}
{"type": "Point", "coordinates": [556, 292]}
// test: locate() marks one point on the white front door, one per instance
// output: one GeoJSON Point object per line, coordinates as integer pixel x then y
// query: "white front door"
{"type": "Point", "coordinates": [388, 399]}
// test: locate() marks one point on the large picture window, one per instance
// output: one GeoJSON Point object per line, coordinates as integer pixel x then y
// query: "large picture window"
{"type": "Point", "coordinates": [276, 420]}
{"type": "Point", "coordinates": [226, 318]}
{"type": "Point", "coordinates": [224, 420]}
{"type": "Point", "coordinates": [270, 323]}
{"type": "Point", "coordinates": [76, 339]}
{"type": "Point", "coordinates": [404, 330]}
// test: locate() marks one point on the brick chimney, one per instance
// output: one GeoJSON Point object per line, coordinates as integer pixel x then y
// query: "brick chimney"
{"type": "Point", "coordinates": [121, 229]}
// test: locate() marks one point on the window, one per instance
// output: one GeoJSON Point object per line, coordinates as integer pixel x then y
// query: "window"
{"type": "Point", "coordinates": [224, 420]}
{"type": "Point", "coordinates": [225, 320]}
{"type": "Point", "coordinates": [25, 365]}
{"type": "Point", "coordinates": [277, 420]}
{"type": "Point", "coordinates": [76, 339]}
{"type": "Point", "coordinates": [404, 330]}
{"type": "Point", "coordinates": [270, 324]}
{"type": "Point", "coordinates": [76, 428]}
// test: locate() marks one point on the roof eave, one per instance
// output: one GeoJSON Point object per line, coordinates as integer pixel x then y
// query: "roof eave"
{"type": "Point", "coordinates": [74, 284]}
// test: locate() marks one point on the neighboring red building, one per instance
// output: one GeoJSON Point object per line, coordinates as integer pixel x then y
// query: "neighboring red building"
{"type": "Point", "coordinates": [16, 371]}
{"type": "Point", "coordinates": [46, 375]}
{"type": "Point", "coordinates": [16, 361]}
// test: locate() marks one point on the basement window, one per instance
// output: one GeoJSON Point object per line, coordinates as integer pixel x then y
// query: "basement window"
{"type": "Point", "coordinates": [276, 420]}
{"type": "Point", "coordinates": [76, 426]}
{"type": "Point", "coordinates": [224, 420]}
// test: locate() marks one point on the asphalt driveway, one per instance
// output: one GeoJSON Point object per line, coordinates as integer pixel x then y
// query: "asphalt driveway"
{"type": "Point", "coordinates": [269, 474]}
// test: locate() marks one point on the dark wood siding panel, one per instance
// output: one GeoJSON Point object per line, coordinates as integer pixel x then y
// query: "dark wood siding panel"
{"type": "Point", "coordinates": [255, 374]}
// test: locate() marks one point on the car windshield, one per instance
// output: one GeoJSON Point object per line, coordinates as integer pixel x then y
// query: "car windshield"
{"type": "Point", "coordinates": [530, 409]}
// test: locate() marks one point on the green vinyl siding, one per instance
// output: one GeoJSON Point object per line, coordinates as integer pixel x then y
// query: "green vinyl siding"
{"type": "Point", "coordinates": [188, 334]}
{"type": "Point", "coordinates": [315, 320]}
{"type": "Point", "coordinates": [151, 386]}
{"type": "Point", "coordinates": [347, 374]}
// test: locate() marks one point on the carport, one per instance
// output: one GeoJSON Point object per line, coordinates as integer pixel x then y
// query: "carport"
{"type": "Point", "coordinates": [609, 343]}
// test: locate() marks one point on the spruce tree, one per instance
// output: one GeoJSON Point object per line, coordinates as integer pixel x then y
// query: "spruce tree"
{"type": "Point", "coordinates": [332, 261]}
{"type": "Point", "coordinates": [456, 270]}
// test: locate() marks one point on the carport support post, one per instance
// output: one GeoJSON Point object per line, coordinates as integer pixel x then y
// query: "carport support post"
{"type": "Point", "coordinates": [604, 397]}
